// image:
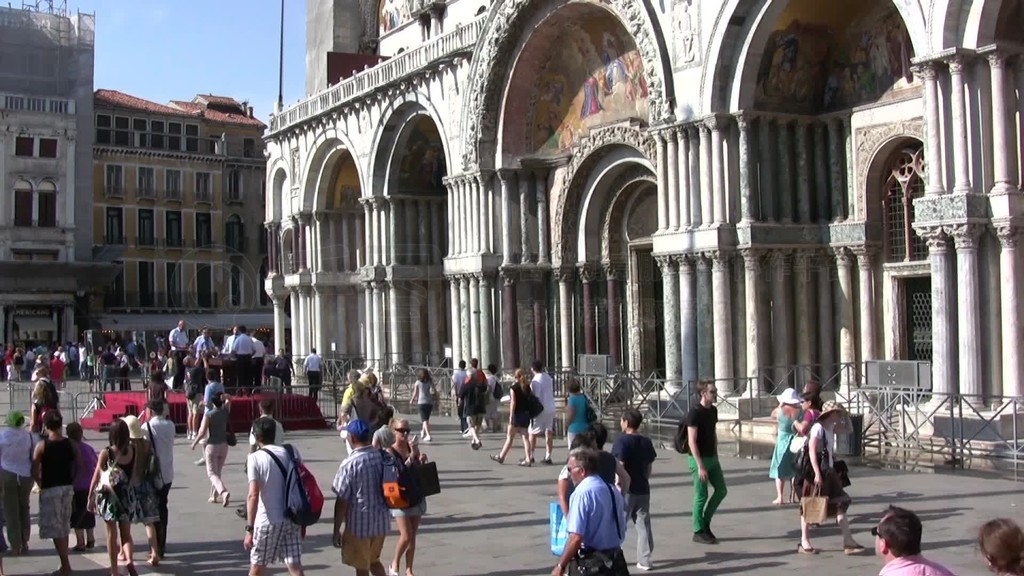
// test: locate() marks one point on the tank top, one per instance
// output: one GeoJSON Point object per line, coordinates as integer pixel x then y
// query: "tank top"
{"type": "Point", "coordinates": [58, 463]}
{"type": "Point", "coordinates": [217, 426]}
{"type": "Point", "coordinates": [424, 392]}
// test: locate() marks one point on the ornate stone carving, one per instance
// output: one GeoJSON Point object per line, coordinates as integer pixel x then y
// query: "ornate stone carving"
{"type": "Point", "coordinates": [492, 61]}
{"type": "Point", "coordinates": [686, 27]}
{"type": "Point", "coordinates": [965, 236]}
{"type": "Point", "coordinates": [752, 259]}
{"type": "Point", "coordinates": [1008, 234]}
{"type": "Point", "coordinates": [588, 272]}
{"type": "Point", "coordinates": [720, 260]}
{"type": "Point", "coordinates": [613, 271]}
{"type": "Point", "coordinates": [935, 236]}
{"type": "Point", "coordinates": [509, 276]}
{"type": "Point", "coordinates": [869, 141]}
{"type": "Point", "coordinates": [563, 274]}
{"type": "Point", "coordinates": [844, 256]}
{"type": "Point", "coordinates": [665, 263]}
{"type": "Point", "coordinates": [866, 256]}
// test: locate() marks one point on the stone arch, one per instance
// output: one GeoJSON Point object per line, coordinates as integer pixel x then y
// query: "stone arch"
{"type": "Point", "coordinates": [505, 34]}
{"type": "Point", "coordinates": [401, 114]}
{"type": "Point", "coordinates": [277, 183]}
{"type": "Point", "coordinates": [627, 187]}
{"type": "Point", "coordinates": [611, 148]}
{"type": "Point", "coordinates": [982, 24]}
{"type": "Point", "coordinates": [288, 239]}
{"type": "Point", "coordinates": [875, 145]}
{"type": "Point", "coordinates": [329, 148]}
{"type": "Point", "coordinates": [739, 38]}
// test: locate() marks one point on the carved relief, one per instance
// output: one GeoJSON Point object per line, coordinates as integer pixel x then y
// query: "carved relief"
{"type": "Point", "coordinates": [686, 25]}
{"type": "Point", "coordinates": [870, 140]}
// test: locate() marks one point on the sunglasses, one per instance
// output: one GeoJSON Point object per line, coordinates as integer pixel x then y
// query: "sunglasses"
{"type": "Point", "coordinates": [874, 531]}
{"type": "Point", "coordinates": [402, 430]}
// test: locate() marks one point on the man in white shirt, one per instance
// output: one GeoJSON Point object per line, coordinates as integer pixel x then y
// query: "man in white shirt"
{"type": "Point", "coordinates": [242, 349]}
{"type": "Point", "coordinates": [160, 432]}
{"type": "Point", "coordinates": [458, 380]}
{"type": "Point", "coordinates": [544, 389]}
{"type": "Point", "coordinates": [178, 341]}
{"type": "Point", "coordinates": [269, 536]}
{"type": "Point", "coordinates": [313, 365]}
{"type": "Point", "coordinates": [259, 352]}
{"type": "Point", "coordinates": [204, 343]}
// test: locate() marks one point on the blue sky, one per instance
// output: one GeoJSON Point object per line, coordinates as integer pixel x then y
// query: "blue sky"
{"type": "Point", "coordinates": [174, 49]}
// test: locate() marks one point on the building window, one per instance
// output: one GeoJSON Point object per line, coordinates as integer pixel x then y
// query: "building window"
{"type": "Point", "coordinates": [114, 298]}
{"type": "Point", "coordinates": [22, 203]}
{"type": "Point", "coordinates": [172, 182]}
{"type": "Point", "coordinates": [147, 229]}
{"type": "Point", "coordinates": [34, 255]}
{"type": "Point", "coordinates": [146, 283]}
{"type": "Point", "coordinates": [146, 182]}
{"type": "Point", "coordinates": [234, 233]}
{"type": "Point", "coordinates": [204, 230]}
{"type": "Point", "coordinates": [156, 137]}
{"type": "Point", "coordinates": [235, 185]}
{"type": "Point", "coordinates": [14, 102]}
{"type": "Point", "coordinates": [192, 138]}
{"type": "Point", "coordinates": [173, 272]}
{"type": "Point", "coordinates": [115, 181]}
{"type": "Point", "coordinates": [204, 286]}
{"type": "Point", "coordinates": [264, 297]}
{"type": "Point", "coordinates": [122, 131]}
{"type": "Point", "coordinates": [37, 104]}
{"type": "Point", "coordinates": [249, 147]}
{"type": "Point", "coordinates": [104, 129]}
{"type": "Point", "coordinates": [905, 183]}
{"type": "Point", "coordinates": [46, 207]}
{"type": "Point", "coordinates": [115, 225]}
{"type": "Point", "coordinates": [172, 226]}
{"type": "Point", "coordinates": [203, 189]}
{"type": "Point", "coordinates": [47, 147]}
{"type": "Point", "coordinates": [236, 286]}
{"type": "Point", "coordinates": [25, 146]}
{"type": "Point", "coordinates": [174, 136]}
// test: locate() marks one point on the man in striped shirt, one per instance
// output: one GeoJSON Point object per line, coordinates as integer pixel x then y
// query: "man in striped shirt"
{"type": "Point", "coordinates": [360, 504]}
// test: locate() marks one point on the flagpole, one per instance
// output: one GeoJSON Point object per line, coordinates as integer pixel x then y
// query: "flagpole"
{"type": "Point", "coordinates": [280, 63]}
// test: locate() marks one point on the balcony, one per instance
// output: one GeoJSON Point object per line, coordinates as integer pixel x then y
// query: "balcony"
{"type": "Point", "coordinates": [145, 193]}
{"type": "Point", "coordinates": [172, 301]}
{"type": "Point", "coordinates": [114, 191]}
{"type": "Point", "coordinates": [203, 244]}
{"type": "Point", "coordinates": [145, 241]}
{"type": "Point", "coordinates": [113, 240]}
{"type": "Point", "coordinates": [462, 39]}
{"type": "Point", "coordinates": [173, 195]}
{"type": "Point", "coordinates": [174, 243]}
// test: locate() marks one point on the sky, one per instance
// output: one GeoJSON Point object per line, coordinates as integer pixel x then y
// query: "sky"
{"type": "Point", "coordinates": [164, 50]}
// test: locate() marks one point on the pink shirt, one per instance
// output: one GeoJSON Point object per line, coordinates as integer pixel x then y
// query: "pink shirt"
{"type": "Point", "coordinates": [914, 566]}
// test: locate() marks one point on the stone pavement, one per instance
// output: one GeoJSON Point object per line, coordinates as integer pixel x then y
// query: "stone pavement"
{"type": "Point", "coordinates": [492, 519]}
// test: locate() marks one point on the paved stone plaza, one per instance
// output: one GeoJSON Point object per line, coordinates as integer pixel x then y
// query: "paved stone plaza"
{"type": "Point", "coordinates": [492, 520]}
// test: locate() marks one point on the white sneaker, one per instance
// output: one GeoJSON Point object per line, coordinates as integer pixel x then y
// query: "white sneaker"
{"type": "Point", "coordinates": [426, 438]}
{"type": "Point", "coordinates": [644, 567]}
{"type": "Point", "coordinates": [467, 433]}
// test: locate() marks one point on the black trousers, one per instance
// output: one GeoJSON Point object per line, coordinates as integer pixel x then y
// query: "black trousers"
{"type": "Point", "coordinates": [314, 384]}
{"type": "Point", "coordinates": [243, 373]}
{"type": "Point", "coordinates": [161, 526]}
{"type": "Point", "coordinates": [257, 373]}
{"type": "Point", "coordinates": [179, 369]}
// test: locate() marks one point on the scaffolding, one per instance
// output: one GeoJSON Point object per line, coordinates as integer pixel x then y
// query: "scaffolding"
{"type": "Point", "coordinates": [55, 7]}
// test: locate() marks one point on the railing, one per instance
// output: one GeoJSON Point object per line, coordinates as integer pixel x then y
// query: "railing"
{"type": "Point", "coordinates": [113, 240]}
{"type": "Point", "coordinates": [172, 194]}
{"type": "Point", "coordinates": [458, 40]}
{"type": "Point", "coordinates": [113, 191]}
{"type": "Point", "coordinates": [174, 242]}
{"type": "Point", "coordinates": [203, 196]}
{"type": "Point", "coordinates": [145, 192]}
{"type": "Point", "coordinates": [145, 241]}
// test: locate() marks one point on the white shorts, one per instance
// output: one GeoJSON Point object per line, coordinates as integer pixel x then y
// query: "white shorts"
{"type": "Point", "coordinates": [543, 423]}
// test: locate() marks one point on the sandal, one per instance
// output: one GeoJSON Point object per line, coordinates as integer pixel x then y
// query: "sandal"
{"type": "Point", "coordinates": [131, 569]}
{"type": "Point", "coordinates": [525, 462]}
{"type": "Point", "coordinates": [79, 548]}
{"type": "Point", "coordinates": [810, 551]}
{"type": "Point", "coordinates": [90, 544]}
{"type": "Point", "coordinates": [497, 459]}
{"type": "Point", "coordinates": [153, 561]}
{"type": "Point", "coordinates": [852, 550]}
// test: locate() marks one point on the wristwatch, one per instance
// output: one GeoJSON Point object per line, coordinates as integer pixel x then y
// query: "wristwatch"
{"type": "Point", "coordinates": [249, 528]}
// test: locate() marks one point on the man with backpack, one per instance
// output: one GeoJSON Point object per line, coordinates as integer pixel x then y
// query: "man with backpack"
{"type": "Point", "coordinates": [360, 504]}
{"type": "Point", "coordinates": [474, 401]}
{"type": "Point", "coordinates": [270, 536]}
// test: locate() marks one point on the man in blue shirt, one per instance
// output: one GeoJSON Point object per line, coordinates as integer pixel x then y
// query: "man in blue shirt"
{"type": "Point", "coordinates": [596, 520]}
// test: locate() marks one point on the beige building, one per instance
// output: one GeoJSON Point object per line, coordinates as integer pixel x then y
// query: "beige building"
{"type": "Point", "coordinates": [177, 188]}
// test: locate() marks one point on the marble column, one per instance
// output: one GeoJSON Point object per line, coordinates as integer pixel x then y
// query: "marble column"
{"type": "Point", "coordinates": [786, 188]}
{"type": "Point", "coordinates": [746, 186]}
{"type": "Point", "coordinates": [587, 274]}
{"type": "Point", "coordinates": [866, 275]}
{"type": "Point", "coordinates": [434, 323]}
{"type": "Point", "coordinates": [933, 129]}
{"type": "Point", "coordinates": [393, 208]}
{"type": "Point", "coordinates": [663, 192]}
{"type": "Point", "coordinates": [487, 336]}
{"type": "Point", "coordinates": [821, 172]}
{"type": "Point", "coordinates": [472, 286]}
{"type": "Point", "coordinates": [683, 163]}
{"type": "Point", "coordinates": [1012, 335]}
{"type": "Point", "coordinates": [360, 236]}
{"type": "Point", "coordinates": [803, 299]}
{"type": "Point", "coordinates": [835, 165]}
{"type": "Point", "coordinates": [296, 305]}
{"type": "Point", "coordinates": [705, 319]}
{"type": "Point", "coordinates": [369, 328]}
{"type": "Point", "coordinates": [461, 242]}
{"type": "Point", "coordinates": [345, 245]}
{"type": "Point", "coordinates": [455, 302]}
{"type": "Point", "coordinates": [1004, 157]}
{"type": "Point", "coordinates": [961, 156]}
{"type": "Point", "coordinates": [438, 249]}
{"type": "Point", "coordinates": [450, 207]}
{"type": "Point", "coordinates": [341, 325]}
{"type": "Point", "coordinates": [696, 178]}
{"type": "Point", "coordinates": [706, 185]}
{"type": "Point", "coordinates": [379, 344]}
{"type": "Point", "coordinates": [672, 164]}
{"type": "Point", "coordinates": [966, 239]}
{"type": "Point", "coordinates": [543, 237]}
{"type": "Point", "coordinates": [670, 297]}
{"type": "Point", "coordinates": [484, 187]}
{"type": "Point", "coordinates": [524, 215]}
{"type": "Point", "coordinates": [826, 332]}
{"type": "Point", "coordinates": [303, 230]}
{"type": "Point", "coordinates": [756, 353]}
{"type": "Point", "coordinates": [847, 348]}
{"type": "Point", "coordinates": [614, 313]}
{"type": "Point", "coordinates": [565, 316]}
{"type": "Point", "coordinates": [305, 320]}
{"type": "Point", "coordinates": [510, 321]}
{"type": "Point", "coordinates": [766, 161]}
{"type": "Point", "coordinates": [803, 172]}
{"type": "Point", "coordinates": [319, 334]}
{"type": "Point", "coordinates": [782, 317]}
{"type": "Point", "coordinates": [722, 306]}
{"type": "Point", "coordinates": [271, 257]}
{"type": "Point", "coordinates": [540, 322]}
{"type": "Point", "coordinates": [505, 179]}
{"type": "Point", "coordinates": [280, 324]}
{"type": "Point", "coordinates": [687, 318]}
{"type": "Point", "coordinates": [396, 313]}
{"type": "Point", "coordinates": [717, 126]}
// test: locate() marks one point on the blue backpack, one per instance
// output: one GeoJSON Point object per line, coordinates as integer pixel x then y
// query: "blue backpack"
{"type": "Point", "coordinates": [303, 501]}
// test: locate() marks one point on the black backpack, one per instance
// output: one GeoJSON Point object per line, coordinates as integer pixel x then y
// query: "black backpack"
{"type": "Point", "coordinates": [681, 440]}
{"type": "Point", "coordinates": [498, 392]}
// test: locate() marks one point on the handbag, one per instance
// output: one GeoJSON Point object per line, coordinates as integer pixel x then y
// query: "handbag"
{"type": "Point", "coordinates": [843, 471]}
{"type": "Point", "coordinates": [154, 474]}
{"type": "Point", "coordinates": [231, 439]}
{"type": "Point", "coordinates": [426, 476]}
{"type": "Point", "coordinates": [814, 508]}
{"type": "Point", "coordinates": [559, 530]}
{"type": "Point", "coordinates": [797, 444]}
{"type": "Point", "coordinates": [597, 562]}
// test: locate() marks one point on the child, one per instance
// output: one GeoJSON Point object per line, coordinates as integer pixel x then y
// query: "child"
{"type": "Point", "coordinates": [82, 520]}
{"type": "Point", "coordinates": [636, 453]}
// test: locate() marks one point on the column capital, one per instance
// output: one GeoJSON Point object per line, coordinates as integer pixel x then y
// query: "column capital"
{"type": "Point", "coordinates": [587, 272]}
{"type": "Point", "coordinates": [751, 258]}
{"type": "Point", "coordinates": [865, 256]}
{"type": "Point", "coordinates": [304, 218]}
{"type": "Point", "coordinates": [1008, 234]}
{"type": "Point", "coordinates": [965, 236]}
{"type": "Point", "coordinates": [380, 285]}
{"type": "Point", "coordinates": [664, 262]}
{"type": "Point", "coordinates": [844, 256]}
{"type": "Point", "coordinates": [509, 276]}
{"type": "Point", "coordinates": [956, 64]}
{"type": "Point", "coordinates": [926, 70]}
{"type": "Point", "coordinates": [612, 271]}
{"type": "Point", "coordinates": [996, 59]}
{"type": "Point", "coordinates": [802, 259]}
{"type": "Point", "coordinates": [744, 118]}
{"type": "Point", "coordinates": [505, 175]}
{"type": "Point", "coordinates": [563, 273]}
{"type": "Point", "coordinates": [720, 260]}
{"type": "Point", "coordinates": [935, 236]}
{"type": "Point", "coordinates": [715, 122]}
{"type": "Point", "coordinates": [305, 290]}
{"type": "Point", "coordinates": [683, 261]}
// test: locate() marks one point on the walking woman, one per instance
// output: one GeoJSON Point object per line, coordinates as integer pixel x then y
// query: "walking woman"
{"type": "Point", "coordinates": [825, 480]}
{"type": "Point", "coordinates": [18, 362]}
{"type": "Point", "coordinates": [215, 425]}
{"type": "Point", "coordinates": [408, 519]}
{"type": "Point", "coordinates": [112, 495]}
{"type": "Point", "coordinates": [83, 522]}
{"type": "Point", "coordinates": [781, 469]}
{"type": "Point", "coordinates": [518, 419]}
{"type": "Point", "coordinates": [44, 397]}
{"type": "Point", "coordinates": [425, 399]}
{"type": "Point", "coordinates": [16, 448]}
{"type": "Point", "coordinates": [145, 490]}
{"type": "Point", "coordinates": [575, 412]}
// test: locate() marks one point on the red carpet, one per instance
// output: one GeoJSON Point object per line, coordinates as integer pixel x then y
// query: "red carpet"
{"type": "Point", "coordinates": [294, 411]}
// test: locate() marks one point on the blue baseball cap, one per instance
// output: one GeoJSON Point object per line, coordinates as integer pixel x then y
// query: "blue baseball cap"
{"type": "Point", "coordinates": [359, 428]}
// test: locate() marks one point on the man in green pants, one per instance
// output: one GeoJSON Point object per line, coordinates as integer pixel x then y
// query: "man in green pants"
{"type": "Point", "coordinates": [703, 460]}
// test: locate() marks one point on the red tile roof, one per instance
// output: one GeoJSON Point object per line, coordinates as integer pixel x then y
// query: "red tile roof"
{"type": "Point", "coordinates": [199, 107]}
{"type": "Point", "coordinates": [215, 115]}
{"type": "Point", "coordinates": [217, 100]}
{"type": "Point", "coordinates": [122, 100]}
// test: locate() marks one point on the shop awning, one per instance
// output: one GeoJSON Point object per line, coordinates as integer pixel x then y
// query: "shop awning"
{"type": "Point", "coordinates": [35, 324]}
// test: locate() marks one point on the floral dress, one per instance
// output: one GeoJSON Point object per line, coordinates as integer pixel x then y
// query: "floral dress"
{"type": "Point", "coordinates": [116, 499]}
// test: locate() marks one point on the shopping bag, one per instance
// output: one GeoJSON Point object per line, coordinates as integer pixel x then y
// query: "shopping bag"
{"type": "Point", "coordinates": [426, 476]}
{"type": "Point", "coordinates": [814, 508]}
{"type": "Point", "coordinates": [559, 530]}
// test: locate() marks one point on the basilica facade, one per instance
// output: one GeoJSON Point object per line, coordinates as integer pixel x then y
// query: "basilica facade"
{"type": "Point", "coordinates": [700, 189]}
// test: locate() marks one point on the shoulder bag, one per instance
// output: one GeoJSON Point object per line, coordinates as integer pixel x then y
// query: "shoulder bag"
{"type": "Point", "coordinates": [154, 473]}
{"type": "Point", "coordinates": [602, 562]}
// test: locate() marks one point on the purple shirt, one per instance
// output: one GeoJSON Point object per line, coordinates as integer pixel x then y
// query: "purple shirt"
{"type": "Point", "coordinates": [83, 476]}
{"type": "Point", "coordinates": [914, 566]}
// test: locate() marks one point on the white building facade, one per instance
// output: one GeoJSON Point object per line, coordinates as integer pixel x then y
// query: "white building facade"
{"type": "Point", "coordinates": [700, 189]}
